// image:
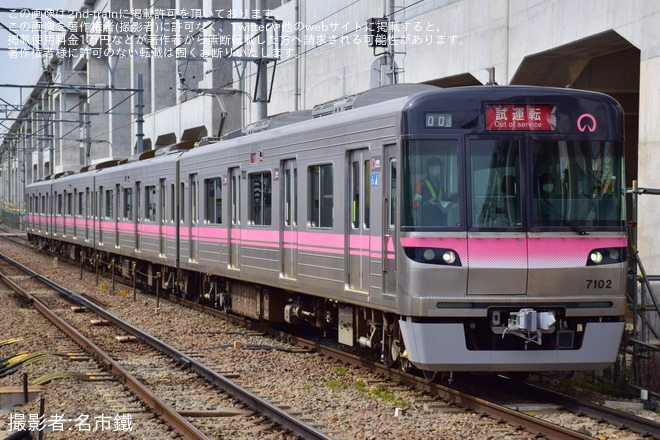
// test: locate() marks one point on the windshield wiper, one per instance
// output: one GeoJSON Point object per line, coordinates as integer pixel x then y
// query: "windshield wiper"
{"type": "Point", "coordinates": [573, 226]}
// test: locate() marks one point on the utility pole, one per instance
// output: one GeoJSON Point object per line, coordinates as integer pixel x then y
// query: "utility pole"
{"type": "Point", "coordinates": [262, 67]}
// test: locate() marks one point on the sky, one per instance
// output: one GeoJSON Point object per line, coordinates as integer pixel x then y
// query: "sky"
{"type": "Point", "coordinates": [15, 70]}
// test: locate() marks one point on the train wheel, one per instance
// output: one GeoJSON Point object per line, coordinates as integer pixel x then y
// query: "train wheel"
{"type": "Point", "coordinates": [405, 364]}
{"type": "Point", "coordinates": [431, 376]}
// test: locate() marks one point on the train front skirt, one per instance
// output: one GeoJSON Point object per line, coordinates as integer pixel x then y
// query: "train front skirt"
{"type": "Point", "coordinates": [443, 347]}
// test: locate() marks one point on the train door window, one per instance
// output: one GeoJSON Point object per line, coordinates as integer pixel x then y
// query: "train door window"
{"type": "Point", "coordinates": [81, 205]}
{"type": "Point", "coordinates": [321, 204]}
{"type": "Point", "coordinates": [367, 194]}
{"type": "Point", "coordinates": [235, 198]}
{"type": "Point", "coordinates": [59, 204]}
{"type": "Point", "coordinates": [150, 202]}
{"type": "Point", "coordinates": [495, 183]}
{"type": "Point", "coordinates": [87, 203]}
{"type": "Point", "coordinates": [101, 213]}
{"type": "Point", "coordinates": [355, 216]}
{"type": "Point", "coordinates": [431, 183]}
{"type": "Point", "coordinates": [128, 203]}
{"type": "Point", "coordinates": [392, 213]}
{"type": "Point", "coordinates": [213, 201]}
{"type": "Point", "coordinates": [69, 204]}
{"type": "Point", "coordinates": [290, 197]}
{"type": "Point", "coordinates": [193, 199]}
{"type": "Point", "coordinates": [182, 204]}
{"type": "Point", "coordinates": [109, 203]}
{"type": "Point", "coordinates": [172, 203]}
{"type": "Point", "coordinates": [163, 202]}
{"type": "Point", "coordinates": [260, 198]}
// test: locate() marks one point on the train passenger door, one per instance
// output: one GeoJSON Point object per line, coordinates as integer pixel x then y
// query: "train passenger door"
{"type": "Point", "coordinates": [138, 214]}
{"type": "Point", "coordinates": [289, 221]}
{"type": "Point", "coordinates": [497, 241]}
{"type": "Point", "coordinates": [162, 218]}
{"type": "Point", "coordinates": [234, 232]}
{"type": "Point", "coordinates": [87, 214]}
{"type": "Point", "coordinates": [115, 213]}
{"type": "Point", "coordinates": [358, 241]}
{"type": "Point", "coordinates": [101, 214]}
{"type": "Point", "coordinates": [389, 220]}
{"type": "Point", "coordinates": [193, 230]}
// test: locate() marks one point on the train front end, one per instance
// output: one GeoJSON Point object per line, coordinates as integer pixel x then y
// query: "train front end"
{"type": "Point", "coordinates": [512, 251]}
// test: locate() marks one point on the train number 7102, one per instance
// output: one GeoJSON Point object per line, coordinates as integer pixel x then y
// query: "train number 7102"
{"type": "Point", "coordinates": [599, 284]}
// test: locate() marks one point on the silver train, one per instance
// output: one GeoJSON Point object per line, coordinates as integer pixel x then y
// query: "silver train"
{"type": "Point", "coordinates": [465, 229]}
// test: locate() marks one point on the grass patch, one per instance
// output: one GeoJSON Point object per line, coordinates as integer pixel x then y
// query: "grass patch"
{"type": "Point", "coordinates": [380, 392]}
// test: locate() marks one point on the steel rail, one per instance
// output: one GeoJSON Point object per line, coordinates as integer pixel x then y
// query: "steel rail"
{"type": "Point", "coordinates": [278, 415]}
{"type": "Point", "coordinates": [532, 424]}
{"type": "Point", "coordinates": [169, 414]}
{"type": "Point", "coordinates": [640, 425]}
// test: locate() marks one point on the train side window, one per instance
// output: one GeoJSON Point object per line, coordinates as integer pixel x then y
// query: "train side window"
{"type": "Point", "coordinates": [150, 205]}
{"type": "Point", "coordinates": [128, 203]}
{"type": "Point", "coordinates": [213, 201]}
{"type": "Point", "coordinates": [260, 198]}
{"type": "Point", "coordinates": [321, 203]}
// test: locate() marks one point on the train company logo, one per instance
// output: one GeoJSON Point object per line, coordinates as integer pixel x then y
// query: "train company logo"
{"type": "Point", "coordinates": [586, 122]}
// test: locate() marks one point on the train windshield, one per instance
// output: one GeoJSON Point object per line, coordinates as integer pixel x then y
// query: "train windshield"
{"type": "Point", "coordinates": [431, 190]}
{"type": "Point", "coordinates": [577, 184]}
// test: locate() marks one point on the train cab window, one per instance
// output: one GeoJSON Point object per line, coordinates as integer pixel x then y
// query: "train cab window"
{"type": "Point", "coordinates": [260, 198]}
{"type": "Point", "coordinates": [321, 203]}
{"type": "Point", "coordinates": [495, 183]}
{"type": "Point", "coordinates": [577, 184]}
{"type": "Point", "coordinates": [430, 183]}
{"type": "Point", "coordinates": [128, 204]}
{"type": "Point", "coordinates": [150, 205]}
{"type": "Point", "coordinates": [213, 201]}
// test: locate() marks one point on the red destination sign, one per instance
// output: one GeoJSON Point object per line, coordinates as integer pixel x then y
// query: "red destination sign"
{"type": "Point", "coordinates": [521, 117]}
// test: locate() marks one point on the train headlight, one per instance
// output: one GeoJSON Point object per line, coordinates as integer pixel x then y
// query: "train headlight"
{"type": "Point", "coordinates": [614, 254]}
{"type": "Point", "coordinates": [596, 257]}
{"type": "Point", "coordinates": [429, 255]}
{"type": "Point", "coordinates": [449, 257]}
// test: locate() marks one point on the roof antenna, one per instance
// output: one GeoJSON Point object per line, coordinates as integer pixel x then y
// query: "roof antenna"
{"type": "Point", "coordinates": [491, 76]}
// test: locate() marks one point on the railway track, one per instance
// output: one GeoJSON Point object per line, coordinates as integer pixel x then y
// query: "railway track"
{"type": "Point", "coordinates": [158, 405]}
{"type": "Point", "coordinates": [432, 391]}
